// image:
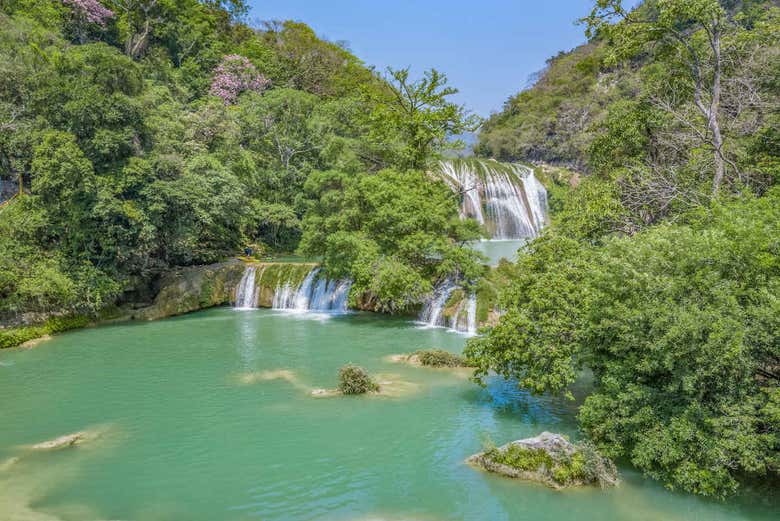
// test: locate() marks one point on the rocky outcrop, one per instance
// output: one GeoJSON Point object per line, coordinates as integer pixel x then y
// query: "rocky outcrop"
{"type": "Point", "coordinates": [193, 288]}
{"type": "Point", "coordinates": [68, 440]}
{"type": "Point", "coordinates": [550, 459]}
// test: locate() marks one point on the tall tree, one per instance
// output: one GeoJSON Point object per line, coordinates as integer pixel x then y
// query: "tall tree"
{"type": "Point", "coordinates": [695, 30]}
{"type": "Point", "coordinates": [421, 113]}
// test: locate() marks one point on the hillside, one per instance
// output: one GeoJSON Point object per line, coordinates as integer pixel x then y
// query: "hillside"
{"type": "Point", "coordinates": [151, 135]}
{"type": "Point", "coordinates": [589, 95]}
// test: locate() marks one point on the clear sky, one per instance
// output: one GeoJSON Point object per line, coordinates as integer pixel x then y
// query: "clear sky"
{"type": "Point", "coordinates": [487, 48]}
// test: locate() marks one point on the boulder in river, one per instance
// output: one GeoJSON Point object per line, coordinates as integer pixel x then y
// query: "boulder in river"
{"type": "Point", "coordinates": [550, 459]}
{"type": "Point", "coordinates": [68, 440]}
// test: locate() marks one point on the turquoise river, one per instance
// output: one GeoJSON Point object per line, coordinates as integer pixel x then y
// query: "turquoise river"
{"type": "Point", "coordinates": [209, 417]}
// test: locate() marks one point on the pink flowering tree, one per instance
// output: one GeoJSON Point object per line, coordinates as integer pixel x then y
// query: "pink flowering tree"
{"type": "Point", "coordinates": [235, 75]}
{"type": "Point", "coordinates": [86, 12]}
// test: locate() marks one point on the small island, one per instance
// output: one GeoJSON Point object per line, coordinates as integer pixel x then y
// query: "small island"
{"type": "Point", "coordinates": [438, 358]}
{"type": "Point", "coordinates": [549, 459]}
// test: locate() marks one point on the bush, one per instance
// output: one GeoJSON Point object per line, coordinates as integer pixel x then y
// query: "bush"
{"type": "Point", "coordinates": [355, 380]}
{"type": "Point", "coordinates": [440, 358]}
{"type": "Point", "coordinates": [521, 458]}
{"type": "Point", "coordinates": [13, 337]}
{"type": "Point", "coordinates": [17, 336]}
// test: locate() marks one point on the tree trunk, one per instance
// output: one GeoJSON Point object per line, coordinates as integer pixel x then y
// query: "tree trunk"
{"type": "Point", "coordinates": [713, 123]}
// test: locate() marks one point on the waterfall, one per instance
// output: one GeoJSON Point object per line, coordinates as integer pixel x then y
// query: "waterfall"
{"type": "Point", "coordinates": [315, 293]}
{"type": "Point", "coordinates": [246, 294]}
{"type": "Point", "coordinates": [506, 198]}
{"type": "Point", "coordinates": [463, 320]}
{"type": "Point", "coordinates": [471, 308]}
{"type": "Point", "coordinates": [433, 312]}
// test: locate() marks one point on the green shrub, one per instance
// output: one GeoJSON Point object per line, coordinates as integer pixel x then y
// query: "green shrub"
{"type": "Point", "coordinates": [13, 337]}
{"type": "Point", "coordinates": [60, 324]}
{"type": "Point", "coordinates": [355, 380]}
{"type": "Point", "coordinates": [439, 358]}
{"type": "Point", "coordinates": [585, 465]}
{"type": "Point", "coordinates": [20, 335]}
{"type": "Point", "coordinates": [521, 458]}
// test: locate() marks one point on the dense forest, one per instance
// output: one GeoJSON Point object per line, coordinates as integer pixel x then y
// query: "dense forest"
{"type": "Point", "coordinates": [153, 134]}
{"type": "Point", "coordinates": [661, 271]}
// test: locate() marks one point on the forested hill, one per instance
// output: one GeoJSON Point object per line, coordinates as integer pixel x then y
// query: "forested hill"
{"type": "Point", "coordinates": [151, 134]}
{"type": "Point", "coordinates": [586, 99]}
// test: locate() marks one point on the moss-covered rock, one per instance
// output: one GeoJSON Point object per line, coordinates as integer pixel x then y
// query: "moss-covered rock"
{"type": "Point", "coordinates": [273, 275]}
{"type": "Point", "coordinates": [549, 459]}
{"type": "Point", "coordinates": [193, 288]}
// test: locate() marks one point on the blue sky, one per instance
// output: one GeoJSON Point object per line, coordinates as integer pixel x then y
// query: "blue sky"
{"type": "Point", "coordinates": [487, 48]}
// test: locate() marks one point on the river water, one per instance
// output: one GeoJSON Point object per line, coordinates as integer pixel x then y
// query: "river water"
{"type": "Point", "coordinates": [209, 417]}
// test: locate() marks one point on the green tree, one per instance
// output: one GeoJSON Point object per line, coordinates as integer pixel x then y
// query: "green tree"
{"type": "Point", "coordinates": [420, 114]}
{"type": "Point", "coordinates": [695, 29]}
{"type": "Point", "coordinates": [679, 325]}
{"type": "Point", "coordinates": [395, 233]}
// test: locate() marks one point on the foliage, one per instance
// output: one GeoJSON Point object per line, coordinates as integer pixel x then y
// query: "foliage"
{"type": "Point", "coordinates": [355, 380]}
{"type": "Point", "coordinates": [152, 135]}
{"type": "Point", "coordinates": [678, 324]}
{"type": "Point", "coordinates": [15, 336]}
{"type": "Point", "coordinates": [420, 114]}
{"type": "Point", "coordinates": [394, 233]}
{"type": "Point", "coordinates": [235, 75]}
{"type": "Point", "coordinates": [666, 101]}
{"type": "Point", "coordinates": [439, 358]}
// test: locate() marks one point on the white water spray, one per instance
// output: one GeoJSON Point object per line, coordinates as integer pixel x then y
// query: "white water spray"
{"type": "Point", "coordinates": [246, 293]}
{"type": "Point", "coordinates": [463, 320]}
{"type": "Point", "coordinates": [506, 198]}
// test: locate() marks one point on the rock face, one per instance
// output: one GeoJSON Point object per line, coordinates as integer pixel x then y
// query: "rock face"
{"type": "Point", "coordinates": [550, 459]}
{"type": "Point", "coordinates": [193, 288]}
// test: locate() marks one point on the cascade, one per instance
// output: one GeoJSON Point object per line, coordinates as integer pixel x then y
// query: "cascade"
{"type": "Point", "coordinates": [463, 320]}
{"type": "Point", "coordinates": [315, 293]}
{"type": "Point", "coordinates": [433, 312]}
{"type": "Point", "coordinates": [246, 294]}
{"type": "Point", "coordinates": [471, 308]}
{"type": "Point", "coordinates": [506, 198]}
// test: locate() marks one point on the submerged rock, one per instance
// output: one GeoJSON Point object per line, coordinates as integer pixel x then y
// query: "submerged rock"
{"type": "Point", "coordinates": [550, 459]}
{"type": "Point", "coordinates": [68, 440]}
{"type": "Point", "coordinates": [35, 341]}
{"type": "Point", "coordinates": [326, 393]}
{"type": "Point", "coordinates": [7, 464]}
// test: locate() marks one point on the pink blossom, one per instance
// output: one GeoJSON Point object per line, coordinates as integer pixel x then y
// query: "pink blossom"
{"type": "Point", "coordinates": [91, 10]}
{"type": "Point", "coordinates": [235, 75]}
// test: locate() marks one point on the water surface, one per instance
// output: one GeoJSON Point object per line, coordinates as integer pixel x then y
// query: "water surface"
{"type": "Point", "coordinates": [194, 429]}
{"type": "Point", "coordinates": [495, 250]}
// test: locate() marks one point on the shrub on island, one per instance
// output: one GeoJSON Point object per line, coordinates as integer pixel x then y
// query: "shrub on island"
{"type": "Point", "coordinates": [355, 380]}
{"type": "Point", "coordinates": [439, 358]}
